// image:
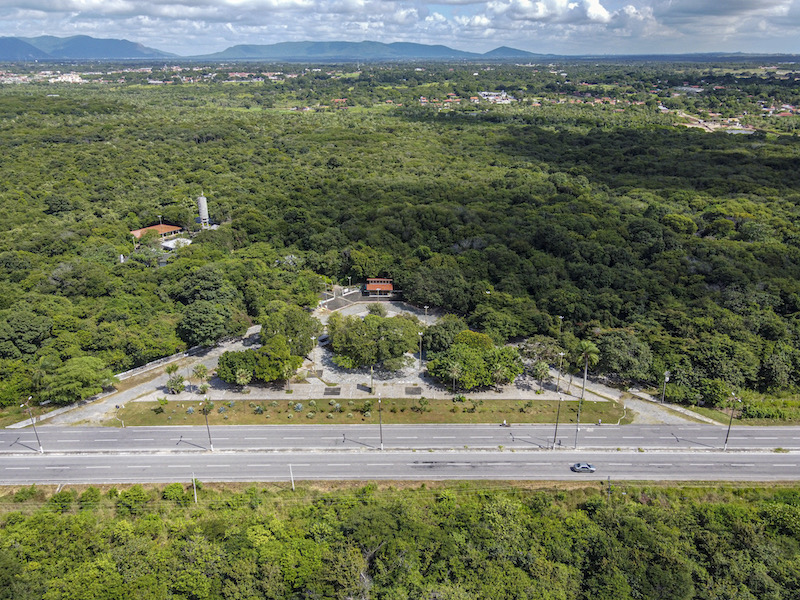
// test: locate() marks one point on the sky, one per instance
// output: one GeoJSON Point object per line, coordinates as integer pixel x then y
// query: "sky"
{"type": "Point", "coordinates": [568, 27]}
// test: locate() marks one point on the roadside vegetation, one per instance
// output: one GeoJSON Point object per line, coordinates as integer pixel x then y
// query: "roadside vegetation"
{"type": "Point", "coordinates": [450, 541]}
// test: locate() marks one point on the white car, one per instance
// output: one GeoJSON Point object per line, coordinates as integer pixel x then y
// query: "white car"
{"type": "Point", "coordinates": [582, 468]}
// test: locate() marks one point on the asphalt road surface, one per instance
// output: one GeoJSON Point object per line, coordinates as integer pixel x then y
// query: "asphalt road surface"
{"type": "Point", "coordinates": [395, 437]}
{"type": "Point", "coordinates": [276, 453]}
{"type": "Point", "coordinates": [395, 465]}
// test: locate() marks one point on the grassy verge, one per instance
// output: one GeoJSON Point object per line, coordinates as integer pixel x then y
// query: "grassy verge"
{"type": "Point", "coordinates": [394, 411]}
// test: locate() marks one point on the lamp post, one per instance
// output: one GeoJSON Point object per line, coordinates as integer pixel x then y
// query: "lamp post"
{"type": "Point", "coordinates": [116, 414]}
{"type": "Point", "coordinates": [206, 410]}
{"type": "Point", "coordinates": [558, 380]}
{"type": "Point", "coordinates": [380, 420]}
{"type": "Point", "coordinates": [30, 414]}
{"type": "Point", "coordinates": [420, 352]}
{"type": "Point", "coordinates": [313, 348]}
{"type": "Point", "coordinates": [349, 279]}
{"type": "Point", "coordinates": [560, 323]}
{"type": "Point", "coordinates": [426, 314]}
{"type": "Point", "coordinates": [734, 400]}
{"type": "Point", "coordinates": [558, 414]}
{"type": "Point", "coordinates": [664, 390]}
{"type": "Point", "coordinates": [159, 220]}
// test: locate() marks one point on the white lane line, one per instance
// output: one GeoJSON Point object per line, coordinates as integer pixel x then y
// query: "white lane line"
{"type": "Point", "coordinates": [56, 467]}
{"type": "Point", "coordinates": [18, 468]}
{"type": "Point", "coordinates": [338, 465]}
{"type": "Point", "coordinates": [701, 464]}
{"type": "Point", "coordinates": [176, 466]}
{"type": "Point", "coordinates": [220, 466]}
{"type": "Point", "coordinates": [138, 466]}
{"type": "Point", "coordinates": [99, 467]}
{"type": "Point", "coordinates": [660, 464]}
{"type": "Point", "coordinates": [632, 437]}
{"type": "Point", "coordinates": [301, 465]}
{"type": "Point", "coordinates": [791, 466]}
{"type": "Point", "coordinates": [144, 439]}
{"type": "Point", "coordinates": [742, 465]}
{"type": "Point", "coordinates": [106, 440]}
{"type": "Point", "coordinates": [498, 464]}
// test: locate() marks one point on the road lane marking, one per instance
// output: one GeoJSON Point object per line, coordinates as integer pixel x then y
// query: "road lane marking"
{"type": "Point", "coordinates": [300, 465]}
{"type": "Point", "coordinates": [144, 439]}
{"type": "Point", "coordinates": [632, 437]}
{"type": "Point", "coordinates": [701, 464]}
{"type": "Point", "coordinates": [138, 466]}
{"type": "Point", "coordinates": [106, 440]}
{"type": "Point", "coordinates": [99, 467]}
{"type": "Point", "coordinates": [18, 468]}
{"type": "Point", "coordinates": [660, 464]}
{"type": "Point", "coordinates": [56, 467]}
{"type": "Point", "coordinates": [338, 465]}
{"type": "Point", "coordinates": [176, 466]}
{"type": "Point", "coordinates": [220, 466]}
{"type": "Point", "coordinates": [742, 465]}
{"type": "Point", "coordinates": [784, 465]}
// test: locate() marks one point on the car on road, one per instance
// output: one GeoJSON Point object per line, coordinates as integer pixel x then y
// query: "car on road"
{"type": "Point", "coordinates": [582, 468]}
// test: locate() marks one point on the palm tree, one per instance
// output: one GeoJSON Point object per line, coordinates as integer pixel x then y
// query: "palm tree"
{"type": "Point", "coordinates": [200, 372]}
{"type": "Point", "coordinates": [590, 354]}
{"type": "Point", "coordinates": [454, 369]}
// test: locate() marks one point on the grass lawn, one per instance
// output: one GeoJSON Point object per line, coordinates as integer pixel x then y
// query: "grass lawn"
{"type": "Point", "coordinates": [394, 411]}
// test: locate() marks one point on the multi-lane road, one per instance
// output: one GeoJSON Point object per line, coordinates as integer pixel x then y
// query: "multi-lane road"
{"type": "Point", "coordinates": [277, 453]}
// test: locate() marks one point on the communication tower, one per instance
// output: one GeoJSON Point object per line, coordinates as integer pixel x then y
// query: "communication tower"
{"type": "Point", "coordinates": [202, 207]}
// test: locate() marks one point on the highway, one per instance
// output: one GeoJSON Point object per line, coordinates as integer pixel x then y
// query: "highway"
{"type": "Point", "coordinates": [395, 437]}
{"type": "Point", "coordinates": [396, 465]}
{"type": "Point", "coordinates": [429, 452]}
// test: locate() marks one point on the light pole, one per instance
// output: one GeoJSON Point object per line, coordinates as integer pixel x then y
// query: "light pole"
{"type": "Point", "coordinates": [734, 400]}
{"type": "Point", "coordinates": [159, 220]}
{"type": "Point", "coordinates": [426, 314]}
{"type": "Point", "coordinates": [30, 414]}
{"type": "Point", "coordinates": [420, 352]}
{"type": "Point", "coordinates": [664, 391]}
{"type": "Point", "coordinates": [380, 420]}
{"type": "Point", "coordinates": [558, 414]}
{"type": "Point", "coordinates": [116, 414]}
{"type": "Point", "coordinates": [349, 279]}
{"type": "Point", "coordinates": [558, 380]}
{"type": "Point", "coordinates": [206, 410]}
{"type": "Point", "coordinates": [560, 323]}
{"type": "Point", "coordinates": [313, 347]}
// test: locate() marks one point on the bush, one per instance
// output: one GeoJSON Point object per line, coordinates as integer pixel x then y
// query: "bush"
{"type": "Point", "coordinates": [175, 493]}
{"type": "Point", "coordinates": [132, 501]}
{"type": "Point", "coordinates": [298, 407]}
{"type": "Point", "coordinates": [26, 493]}
{"type": "Point", "coordinates": [61, 501]}
{"type": "Point", "coordinates": [89, 499]}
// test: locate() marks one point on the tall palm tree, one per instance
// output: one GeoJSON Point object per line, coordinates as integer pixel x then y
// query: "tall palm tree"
{"type": "Point", "coordinates": [590, 354]}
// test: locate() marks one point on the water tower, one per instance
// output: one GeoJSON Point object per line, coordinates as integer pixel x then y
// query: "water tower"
{"type": "Point", "coordinates": [202, 207]}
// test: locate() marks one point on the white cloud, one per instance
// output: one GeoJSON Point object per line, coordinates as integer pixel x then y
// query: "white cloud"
{"type": "Point", "coordinates": [558, 26]}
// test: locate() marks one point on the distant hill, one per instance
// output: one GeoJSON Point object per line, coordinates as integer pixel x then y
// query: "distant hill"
{"type": "Point", "coordinates": [14, 49]}
{"type": "Point", "coordinates": [344, 51]}
{"type": "Point", "coordinates": [79, 47]}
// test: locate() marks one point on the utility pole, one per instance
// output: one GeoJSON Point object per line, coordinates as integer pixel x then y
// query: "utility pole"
{"type": "Point", "coordinates": [558, 414]}
{"type": "Point", "coordinates": [33, 423]}
{"type": "Point", "coordinates": [664, 390]}
{"type": "Point", "coordinates": [420, 352]}
{"type": "Point", "coordinates": [380, 420]}
{"type": "Point", "coordinates": [734, 400]}
{"type": "Point", "coordinates": [207, 410]}
{"type": "Point", "coordinates": [558, 380]}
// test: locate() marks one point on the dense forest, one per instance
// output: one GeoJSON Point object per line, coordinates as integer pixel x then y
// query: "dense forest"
{"type": "Point", "coordinates": [670, 248]}
{"type": "Point", "coordinates": [447, 542]}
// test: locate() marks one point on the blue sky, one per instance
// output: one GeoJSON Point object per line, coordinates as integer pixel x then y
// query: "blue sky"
{"type": "Point", "coordinates": [189, 27]}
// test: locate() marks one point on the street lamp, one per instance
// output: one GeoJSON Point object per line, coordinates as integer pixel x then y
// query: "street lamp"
{"type": "Point", "coordinates": [558, 414]}
{"type": "Point", "coordinates": [558, 380]}
{"type": "Point", "coordinates": [313, 347]}
{"type": "Point", "coordinates": [560, 323]}
{"type": "Point", "coordinates": [420, 352]}
{"type": "Point", "coordinates": [426, 314]}
{"type": "Point", "coordinates": [349, 278]}
{"type": "Point", "coordinates": [664, 391]}
{"type": "Point", "coordinates": [380, 419]}
{"type": "Point", "coordinates": [116, 414]}
{"type": "Point", "coordinates": [734, 400]}
{"type": "Point", "coordinates": [30, 413]}
{"type": "Point", "coordinates": [206, 410]}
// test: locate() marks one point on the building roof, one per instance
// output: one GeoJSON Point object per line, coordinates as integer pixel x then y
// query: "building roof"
{"type": "Point", "coordinates": [379, 285]}
{"type": "Point", "coordinates": [161, 230]}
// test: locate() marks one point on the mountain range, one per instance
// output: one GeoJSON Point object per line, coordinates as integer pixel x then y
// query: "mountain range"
{"type": "Point", "coordinates": [81, 47]}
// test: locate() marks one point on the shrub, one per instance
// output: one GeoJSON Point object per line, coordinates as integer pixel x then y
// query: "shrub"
{"type": "Point", "coordinates": [89, 499]}
{"type": "Point", "coordinates": [298, 407]}
{"type": "Point", "coordinates": [132, 501]}
{"type": "Point", "coordinates": [61, 501]}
